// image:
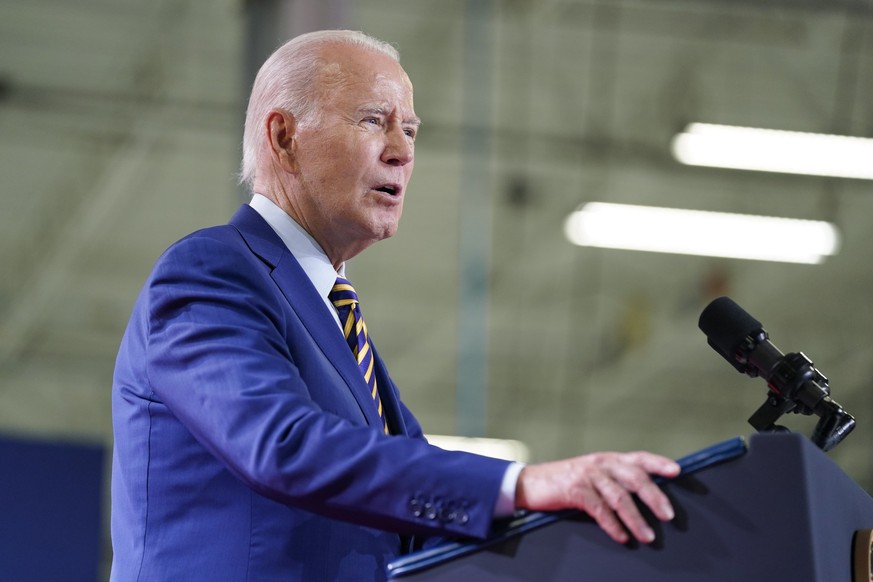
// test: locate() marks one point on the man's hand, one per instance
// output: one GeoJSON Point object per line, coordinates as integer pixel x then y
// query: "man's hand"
{"type": "Point", "coordinates": [603, 486]}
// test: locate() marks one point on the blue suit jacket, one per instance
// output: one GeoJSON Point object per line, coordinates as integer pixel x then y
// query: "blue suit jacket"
{"type": "Point", "coordinates": [247, 446]}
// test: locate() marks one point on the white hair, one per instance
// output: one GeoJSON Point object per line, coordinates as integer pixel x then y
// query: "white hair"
{"type": "Point", "coordinates": [287, 80]}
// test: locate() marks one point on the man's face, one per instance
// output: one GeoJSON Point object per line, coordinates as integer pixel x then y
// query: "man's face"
{"type": "Point", "coordinates": [355, 162]}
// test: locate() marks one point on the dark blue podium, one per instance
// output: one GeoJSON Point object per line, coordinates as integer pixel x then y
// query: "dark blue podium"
{"type": "Point", "coordinates": [780, 511]}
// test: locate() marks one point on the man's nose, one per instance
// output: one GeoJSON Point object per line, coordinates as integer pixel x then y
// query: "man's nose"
{"type": "Point", "coordinates": [399, 148]}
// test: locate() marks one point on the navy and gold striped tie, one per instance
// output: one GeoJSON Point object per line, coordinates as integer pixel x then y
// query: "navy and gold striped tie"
{"type": "Point", "coordinates": [345, 300]}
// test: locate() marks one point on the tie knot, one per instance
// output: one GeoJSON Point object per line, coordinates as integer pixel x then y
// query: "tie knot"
{"type": "Point", "coordinates": [342, 294]}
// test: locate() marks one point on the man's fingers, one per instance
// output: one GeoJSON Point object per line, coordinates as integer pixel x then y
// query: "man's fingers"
{"type": "Point", "coordinates": [600, 510]}
{"type": "Point", "coordinates": [635, 479]}
{"type": "Point", "coordinates": [657, 501]}
{"type": "Point", "coordinates": [619, 500]}
{"type": "Point", "coordinates": [654, 464]}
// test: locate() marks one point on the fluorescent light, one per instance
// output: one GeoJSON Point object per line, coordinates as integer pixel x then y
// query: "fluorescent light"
{"type": "Point", "coordinates": [696, 232]}
{"type": "Point", "coordinates": [770, 150]}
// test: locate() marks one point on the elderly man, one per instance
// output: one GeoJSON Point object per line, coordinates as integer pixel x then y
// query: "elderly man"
{"type": "Point", "coordinates": [258, 435]}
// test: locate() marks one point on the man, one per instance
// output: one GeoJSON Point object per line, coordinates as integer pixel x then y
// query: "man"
{"type": "Point", "coordinates": [249, 444]}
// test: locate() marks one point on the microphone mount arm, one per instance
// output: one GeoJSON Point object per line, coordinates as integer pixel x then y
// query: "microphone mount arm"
{"type": "Point", "coordinates": [796, 386]}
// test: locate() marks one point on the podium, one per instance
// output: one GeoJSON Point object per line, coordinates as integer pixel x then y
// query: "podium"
{"type": "Point", "coordinates": [780, 510]}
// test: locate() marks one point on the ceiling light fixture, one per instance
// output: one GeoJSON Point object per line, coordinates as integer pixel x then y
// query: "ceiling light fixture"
{"type": "Point", "coordinates": [770, 150]}
{"type": "Point", "coordinates": [696, 232]}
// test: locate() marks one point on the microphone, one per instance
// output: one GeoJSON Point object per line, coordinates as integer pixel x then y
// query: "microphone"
{"type": "Point", "coordinates": [795, 385]}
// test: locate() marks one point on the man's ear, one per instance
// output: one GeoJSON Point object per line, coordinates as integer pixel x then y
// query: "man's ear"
{"type": "Point", "coordinates": [281, 131]}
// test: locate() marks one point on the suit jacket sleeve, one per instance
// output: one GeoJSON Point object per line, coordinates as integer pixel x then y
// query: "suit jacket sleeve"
{"type": "Point", "coordinates": [220, 357]}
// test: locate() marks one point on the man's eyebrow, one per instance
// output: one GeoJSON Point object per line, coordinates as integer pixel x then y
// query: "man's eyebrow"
{"type": "Point", "coordinates": [374, 109]}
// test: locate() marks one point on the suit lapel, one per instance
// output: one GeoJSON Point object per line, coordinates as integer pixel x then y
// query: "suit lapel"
{"type": "Point", "coordinates": [307, 304]}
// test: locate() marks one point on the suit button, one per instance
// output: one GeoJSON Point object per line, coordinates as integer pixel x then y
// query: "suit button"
{"type": "Point", "coordinates": [416, 507]}
{"type": "Point", "coordinates": [462, 517]}
{"type": "Point", "coordinates": [446, 514]}
{"type": "Point", "coordinates": [430, 512]}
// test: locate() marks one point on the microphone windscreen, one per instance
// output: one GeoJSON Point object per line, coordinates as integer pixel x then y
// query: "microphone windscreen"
{"type": "Point", "coordinates": [726, 325]}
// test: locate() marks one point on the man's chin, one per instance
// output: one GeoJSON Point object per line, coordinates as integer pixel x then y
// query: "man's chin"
{"type": "Point", "coordinates": [387, 226]}
{"type": "Point", "coordinates": [388, 232]}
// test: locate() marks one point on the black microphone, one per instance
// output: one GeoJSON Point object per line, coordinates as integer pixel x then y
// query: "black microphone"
{"type": "Point", "coordinates": [796, 386]}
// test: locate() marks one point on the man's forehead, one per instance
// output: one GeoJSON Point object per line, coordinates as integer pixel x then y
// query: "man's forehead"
{"type": "Point", "coordinates": [365, 77]}
{"type": "Point", "coordinates": [393, 79]}
{"type": "Point", "coordinates": [357, 61]}
{"type": "Point", "coordinates": [375, 91]}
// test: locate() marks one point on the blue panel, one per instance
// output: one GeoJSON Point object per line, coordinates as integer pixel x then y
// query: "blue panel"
{"type": "Point", "coordinates": [50, 499]}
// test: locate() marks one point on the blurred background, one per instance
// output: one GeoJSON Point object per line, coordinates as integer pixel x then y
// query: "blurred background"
{"type": "Point", "coordinates": [120, 131]}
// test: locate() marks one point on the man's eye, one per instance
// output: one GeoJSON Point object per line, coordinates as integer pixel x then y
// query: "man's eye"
{"type": "Point", "coordinates": [371, 121]}
{"type": "Point", "coordinates": [409, 133]}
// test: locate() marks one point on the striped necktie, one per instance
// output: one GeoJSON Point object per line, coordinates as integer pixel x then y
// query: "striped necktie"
{"type": "Point", "coordinates": [345, 300]}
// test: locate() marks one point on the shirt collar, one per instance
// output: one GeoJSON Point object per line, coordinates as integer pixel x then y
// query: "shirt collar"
{"type": "Point", "coordinates": [305, 249]}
